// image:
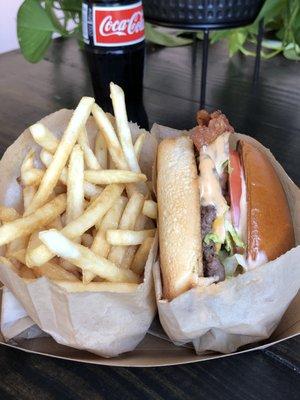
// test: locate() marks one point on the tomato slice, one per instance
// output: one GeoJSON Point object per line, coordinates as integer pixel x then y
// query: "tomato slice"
{"type": "Point", "coordinates": [235, 185]}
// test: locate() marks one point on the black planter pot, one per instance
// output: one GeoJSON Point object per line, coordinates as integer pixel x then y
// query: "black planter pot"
{"type": "Point", "coordinates": [202, 14]}
{"type": "Point", "coordinates": [206, 15]}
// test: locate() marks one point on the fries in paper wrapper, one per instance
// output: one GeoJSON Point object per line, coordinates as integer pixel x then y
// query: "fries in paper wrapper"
{"type": "Point", "coordinates": [245, 309]}
{"type": "Point", "coordinates": [74, 305]}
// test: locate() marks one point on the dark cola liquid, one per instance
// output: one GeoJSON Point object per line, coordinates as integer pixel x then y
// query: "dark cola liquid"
{"type": "Point", "coordinates": [123, 65]}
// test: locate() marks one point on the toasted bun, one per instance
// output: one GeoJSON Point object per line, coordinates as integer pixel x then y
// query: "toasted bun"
{"type": "Point", "coordinates": [269, 222]}
{"type": "Point", "coordinates": [178, 216]}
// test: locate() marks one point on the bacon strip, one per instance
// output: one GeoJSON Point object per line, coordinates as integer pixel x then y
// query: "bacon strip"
{"type": "Point", "coordinates": [210, 127]}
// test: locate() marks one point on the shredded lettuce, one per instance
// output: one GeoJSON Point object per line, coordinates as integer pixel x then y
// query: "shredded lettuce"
{"type": "Point", "coordinates": [212, 237]}
{"type": "Point", "coordinates": [231, 238]}
{"type": "Point", "coordinates": [234, 235]}
{"type": "Point", "coordinates": [232, 263]}
{"type": "Point", "coordinates": [228, 243]}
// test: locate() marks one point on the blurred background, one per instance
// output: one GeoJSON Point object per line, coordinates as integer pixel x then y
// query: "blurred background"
{"type": "Point", "coordinates": [57, 72]}
{"type": "Point", "coordinates": [8, 25]}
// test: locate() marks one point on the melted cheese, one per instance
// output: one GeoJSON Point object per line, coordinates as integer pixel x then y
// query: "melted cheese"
{"type": "Point", "coordinates": [218, 228]}
{"type": "Point", "coordinates": [218, 151]}
{"type": "Point", "coordinates": [210, 188]}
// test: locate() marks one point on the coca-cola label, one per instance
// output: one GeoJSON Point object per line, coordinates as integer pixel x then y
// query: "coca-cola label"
{"type": "Point", "coordinates": [118, 26]}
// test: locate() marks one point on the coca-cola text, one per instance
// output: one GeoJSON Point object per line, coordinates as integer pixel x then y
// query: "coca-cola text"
{"type": "Point", "coordinates": [115, 26]}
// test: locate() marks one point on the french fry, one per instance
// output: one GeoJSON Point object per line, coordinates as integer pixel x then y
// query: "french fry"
{"type": "Point", "coordinates": [75, 181]}
{"type": "Point", "coordinates": [84, 258]}
{"type": "Point", "coordinates": [118, 237]}
{"type": "Point", "coordinates": [33, 242]}
{"type": "Point", "coordinates": [124, 134]}
{"type": "Point", "coordinates": [128, 220]}
{"type": "Point", "coordinates": [150, 209]}
{"type": "Point", "coordinates": [112, 120]}
{"type": "Point", "coordinates": [19, 255]}
{"type": "Point", "coordinates": [16, 244]}
{"type": "Point", "coordinates": [108, 176]}
{"type": "Point", "coordinates": [76, 228]}
{"type": "Point", "coordinates": [138, 145]}
{"type": "Point", "coordinates": [100, 245]}
{"type": "Point", "coordinates": [101, 150]}
{"type": "Point", "coordinates": [27, 163]}
{"type": "Point", "coordinates": [46, 158]}
{"type": "Point", "coordinates": [62, 153]}
{"type": "Point", "coordinates": [128, 256]}
{"type": "Point", "coordinates": [26, 225]}
{"type": "Point", "coordinates": [89, 157]}
{"type": "Point", "coordinates": [8, 214]}
{"type": "Point", "coordinates": [131, 250]}
{"type": "Point", "coordinates": [141, 256]}
{"type": "Point", "coordinates": [94, 212]}
{"type": "Point", "coordinates": [28, 194]}
{"type": "Point", "coordinates": [32, 177]}
{"type": "Point", "coordinates": [112, 217]}
{"type": "Point", "coordinates": [115, 287]}
{"type": "Point", "coordinates": [111, 164]}
{"type": "Point", "coordinates": [55, 272]}
{"type": "Point", "coordinates": [75, 191]}
{"type": "Point", "coordinates": [113, 145]}
{"type": "Point", "coordinates": [44, 137]}
{"type": "Point", "coordinates": [55, 224]}
{"type": "Point", "coordinates": [90, 190]}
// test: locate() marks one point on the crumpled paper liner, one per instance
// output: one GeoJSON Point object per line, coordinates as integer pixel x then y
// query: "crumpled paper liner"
{"type": "Point", "coordinates": [240, 310]}
{"type": "Point", "coordinates": [104, 323]}
{"type": "Point", "coordinates": [15, 322]}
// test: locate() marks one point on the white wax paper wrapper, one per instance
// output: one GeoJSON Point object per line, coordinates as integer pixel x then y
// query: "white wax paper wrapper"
{"type": "Point", "coordinates": [241, 310]}
{"type": "Point", "coordinates": [15, 322]}
{"type": "Point", "coordinates": [104, 323]}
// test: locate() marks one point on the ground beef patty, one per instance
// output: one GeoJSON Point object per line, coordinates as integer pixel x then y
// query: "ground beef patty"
{"type": "Point", "coordinates": [208, 215]}
{"type": "Point", "coordinates": [211, 264]}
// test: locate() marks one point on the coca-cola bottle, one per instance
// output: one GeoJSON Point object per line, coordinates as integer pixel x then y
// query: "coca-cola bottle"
{"type": "Point", "coordinates": [114, 37]}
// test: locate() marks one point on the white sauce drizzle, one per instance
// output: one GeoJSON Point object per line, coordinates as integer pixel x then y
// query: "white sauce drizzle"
{"type": "Point", "coordinates": [218, 151]}
{"type": "Point", "coordinates": [210, 188]}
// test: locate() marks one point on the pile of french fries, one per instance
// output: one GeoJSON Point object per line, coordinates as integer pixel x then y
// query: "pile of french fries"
{"type": "Point", "coordinates": [88, 220]}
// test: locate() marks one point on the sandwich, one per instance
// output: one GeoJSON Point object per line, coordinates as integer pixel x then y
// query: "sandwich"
{"type": "Point", "coordinates": [221, 210]}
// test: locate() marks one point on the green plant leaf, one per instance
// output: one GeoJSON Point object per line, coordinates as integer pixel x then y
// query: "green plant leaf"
{"type": "Point", "coordinates": [292, 52]}
{"type": "Point", "coordinates": [34, 30]}
{"type": "Point", "coordinates": [218, 35]}
{"type": "Point", "coordinates": [236, 40]}
{"type": "Point", "coordinates": [165, 39]}
{"type": "Point", "coordinates": [71, 5]}
{"type": "Point", "coordinates": [271, 9]}
{"type": "Point", "coordinates": [54, 19]}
